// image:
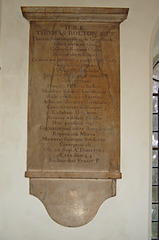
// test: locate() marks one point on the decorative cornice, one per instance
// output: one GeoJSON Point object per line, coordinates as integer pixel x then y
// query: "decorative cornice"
{"type": "Point", "coordinates": [73, 14]}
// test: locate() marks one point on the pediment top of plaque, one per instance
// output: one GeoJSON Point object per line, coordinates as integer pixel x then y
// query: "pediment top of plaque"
{"type": "Point", "coordinates": [75, 14]}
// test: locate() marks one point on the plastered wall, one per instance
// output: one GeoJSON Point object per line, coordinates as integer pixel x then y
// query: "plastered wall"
{"type": "Point", "coordinates": [124, 217]}
{"type": "Point", "coordinates": [155, 51]}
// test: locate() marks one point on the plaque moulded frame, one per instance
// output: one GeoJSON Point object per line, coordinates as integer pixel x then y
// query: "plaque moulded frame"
{"type": "Point", "coordinates": [78, 47]}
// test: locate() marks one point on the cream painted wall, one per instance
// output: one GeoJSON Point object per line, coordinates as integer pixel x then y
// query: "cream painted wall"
{"type": "Point", "coordinates": [124, 217]}
{"type": "Point", "coordinates": [156, 48]}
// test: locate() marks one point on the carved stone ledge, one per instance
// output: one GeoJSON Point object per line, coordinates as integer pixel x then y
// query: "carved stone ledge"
{"type": "Point", "coordinates": [70, 14]}
{"type": "Point", "coordinates": [75, 175]}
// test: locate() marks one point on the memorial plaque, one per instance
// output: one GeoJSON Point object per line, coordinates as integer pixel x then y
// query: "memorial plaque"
{"type": "Point", "coordinates": [73, 109]}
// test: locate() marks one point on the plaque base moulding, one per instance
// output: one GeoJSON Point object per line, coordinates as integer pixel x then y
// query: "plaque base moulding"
{"type": "Point", "coordinates": [73, 157]}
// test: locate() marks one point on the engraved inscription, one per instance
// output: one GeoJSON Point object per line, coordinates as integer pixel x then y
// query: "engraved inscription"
{"type": "Point", "coordinates": [77, 96]}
